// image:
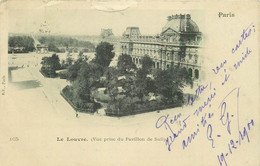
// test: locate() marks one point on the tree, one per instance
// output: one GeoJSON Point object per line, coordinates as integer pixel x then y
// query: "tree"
{"type": "Point", "coordinates": [170, 83]}
{"type": "Point", "coordinates": [128, 85]}
{"type": "Point", "coordinates": [143, 84]}
{"type": "Point", "coordinates": [69, 61]}
{"type": "Point", "coordinates": [55, 62]}
{"type": "Point", "coordinates": [111, 83]}
{"type": "Point", "coordinates": [163, 83]}
{"type": "Point", "coordinates": [26, 42]}
{"type": "Point", "coordinates": [82, 86]}
{"type": "Point", "coordinates": [185, 76]}
{"type": "Point", "coordinates": [61, 41]}
{"type": "Point", "coordinates": [73, 70]}
{"type": "Point", "coordinates": [52, 47]}
{"type": "Point", "coordinates": [96, 71]}
{"type": "Point", "coordinates": [125, 64]}
{"type": "Point", "coordinates": [50, 65]}
{"type": "Point", "coordinates": [147, 64]}
{"type": "Point", "coordinates": [180, 80]}
{"type": "Point", "coordinates": [104, 54]}
{"type": "Point", "coordinates": [80, 54]}
{"type": "Point", "coordinates": [177, 84]}
{"type": "Point", "coordinates": [29, 44]}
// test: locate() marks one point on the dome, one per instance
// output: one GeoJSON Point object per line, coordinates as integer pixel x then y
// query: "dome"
{"type": "Point", "coordinates": [181, 23]}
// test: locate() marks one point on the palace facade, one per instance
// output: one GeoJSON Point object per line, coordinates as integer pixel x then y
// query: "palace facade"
{"type": "Point", "coordinates": [177, 44]}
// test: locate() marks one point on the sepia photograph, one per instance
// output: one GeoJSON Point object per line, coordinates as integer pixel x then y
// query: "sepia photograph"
{"type": "Point", "coordinates": [109, 74]}
{"type": "Point", "coordinates": [129, 83]}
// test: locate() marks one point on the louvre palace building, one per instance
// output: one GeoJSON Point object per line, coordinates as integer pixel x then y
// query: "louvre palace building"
{"type": "Point", "coordinates": [177, 44]}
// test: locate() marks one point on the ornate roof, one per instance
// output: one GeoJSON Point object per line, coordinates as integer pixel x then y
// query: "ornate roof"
{"type": "Point", "coordinates": [132, 31]}
{"type": "Point", "coordinates": [181, 23]}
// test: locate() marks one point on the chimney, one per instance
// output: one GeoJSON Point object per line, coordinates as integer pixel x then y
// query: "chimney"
{"type": "Point", "coordinates": [187, 18]}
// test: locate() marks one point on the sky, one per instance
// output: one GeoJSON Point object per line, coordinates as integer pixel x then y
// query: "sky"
{"type": "Point", "coordinates": [91, 21]}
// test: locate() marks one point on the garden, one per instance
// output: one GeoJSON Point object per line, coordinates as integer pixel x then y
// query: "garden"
{"type": "Point", "coordinates": [123, 89]}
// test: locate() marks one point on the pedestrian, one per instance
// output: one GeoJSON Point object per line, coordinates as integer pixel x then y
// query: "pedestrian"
{"type": "Point", "coordinates": [77, 115]}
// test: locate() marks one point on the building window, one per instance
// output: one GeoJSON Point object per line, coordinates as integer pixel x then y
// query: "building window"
{"type": "Point", "coordinates": [158, 65]}
{"type": "Point", "coordinates": [190, 73]}
{"type": "Point", "coordinates": [196, 73]}
{"type": "Point", "coordinates": [185, 72]}
{"type": "Point", "coordinates": [168, 56]}
{"type": "Point", "coordinates": [196, 59]}
{"type": "Point", "coordinates": [164, 56]}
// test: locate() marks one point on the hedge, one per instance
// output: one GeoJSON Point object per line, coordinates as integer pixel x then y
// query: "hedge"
{"type": "Point", "coordinates": [137, 108]}
{"type": "Point", "coordinates": [90, 107]}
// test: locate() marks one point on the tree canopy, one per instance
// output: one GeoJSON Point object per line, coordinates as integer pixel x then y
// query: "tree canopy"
{"type": "Point", "coordinates": [104, 54]}
{"type": "Point", "coordinates": [64, 41]}
{"type": "Point", "coordinates": [73, 70]}
{"type": "Point", "coordinates": [26, 42]}
{"type": "Point", "coordinates": [50, 64]}
{"type": "Point", "coordinates": [170, 83]}
{"type": "Point", "coordinates": [129, 88]}
{"type": "Point", "coordinates": [52, 47]}
{"type": "Point", "coordinates": [111, 82]}
{"type": "Point", "coordinates": [83, 85]}
{"type": "Point", "coordinates": [147, 64]}
{"type": "Point", "coordinates": [125, 64]}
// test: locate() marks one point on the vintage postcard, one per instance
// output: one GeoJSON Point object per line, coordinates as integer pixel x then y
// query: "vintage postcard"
{"type": "Point", "coordinates": [129, 83]}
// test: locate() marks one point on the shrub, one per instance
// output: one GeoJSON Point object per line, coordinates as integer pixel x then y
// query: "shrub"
{"type": "Point", "coordinates": [89, 107]}
{"type": "Point", "coordinates": [63, 75]}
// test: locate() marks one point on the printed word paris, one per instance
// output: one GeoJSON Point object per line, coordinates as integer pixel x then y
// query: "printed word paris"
{"type": "Point", "coordinates": [221, 14]}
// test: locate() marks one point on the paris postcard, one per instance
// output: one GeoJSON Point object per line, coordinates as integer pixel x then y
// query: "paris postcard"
{"type": "Point", "coordinates": [129, 83]}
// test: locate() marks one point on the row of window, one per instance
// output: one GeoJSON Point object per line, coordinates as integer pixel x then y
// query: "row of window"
{"type": "Point", "coordinates": [145, 51]}
{"type": "Point", "coordinates": [137, 61]}
{"type": "Point", "coordinates": [147, 45]}
{"type": "Point", "coordinates": [157, 65]}
{"type": "Point", "coordinates": [177, 58]}
{"type": "Point", "coordinates": [156, 52]}
{"type": "Point", "coordinates": [140, 46]}
{"type": "Point", "coordinates": [196, 73]}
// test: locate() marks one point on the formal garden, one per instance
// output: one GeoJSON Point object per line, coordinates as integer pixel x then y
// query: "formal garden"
{"type": "Point", "coordinates": [121, 90]}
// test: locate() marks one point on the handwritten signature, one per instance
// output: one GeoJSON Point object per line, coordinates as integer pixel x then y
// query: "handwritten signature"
{"type": "Point", "coordinates": [237, 141]}
{"type": "Point", "coordinates": [225, 115]}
